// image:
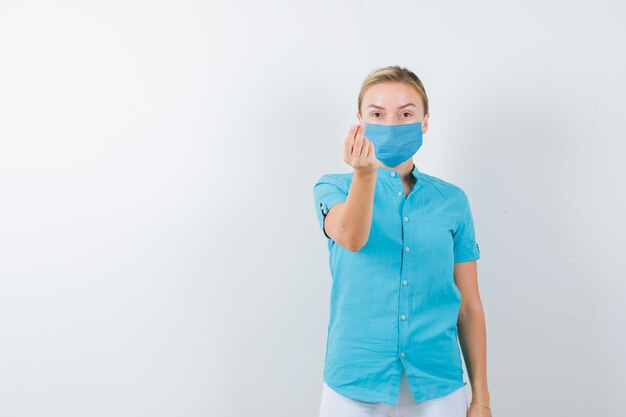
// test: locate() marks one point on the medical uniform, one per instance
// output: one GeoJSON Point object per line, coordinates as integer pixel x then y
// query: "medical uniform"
{"type": "Point", "coordinates": [394, 304]}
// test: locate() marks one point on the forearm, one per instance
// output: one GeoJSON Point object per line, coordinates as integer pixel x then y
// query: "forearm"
{"type": "Point", "coordinates": [356, 217]}
{"type": "Point", "coordinates": [473, 341]}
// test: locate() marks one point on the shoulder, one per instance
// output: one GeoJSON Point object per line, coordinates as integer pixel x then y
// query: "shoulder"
{"type": "Point", "coordinates": [447, 189]}
{"type": "Point", "coordinates": [340, 180]}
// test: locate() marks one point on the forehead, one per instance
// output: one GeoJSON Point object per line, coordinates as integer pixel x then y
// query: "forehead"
{"type": "Point", "coordinates": [391, 95]}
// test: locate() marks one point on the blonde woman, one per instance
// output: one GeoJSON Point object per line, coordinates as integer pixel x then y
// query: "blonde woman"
{"type": "Point", "coordinates": [402, 252]}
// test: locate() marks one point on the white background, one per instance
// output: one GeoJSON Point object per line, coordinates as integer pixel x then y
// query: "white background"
{"type": "Point", "coordinates": [159, 252]}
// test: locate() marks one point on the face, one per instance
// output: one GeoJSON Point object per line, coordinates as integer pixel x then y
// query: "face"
{"type": "Point", "coordinates": [392, 103]}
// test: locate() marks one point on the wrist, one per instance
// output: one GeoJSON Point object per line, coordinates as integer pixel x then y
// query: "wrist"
{"type": "Point", "coordinates": [480, 404]}
{"type": "Point", "coordinates": [483, 399]}
{"type": "Point", "coordinates": [364, 174]}
{"type": "Point", "coordinates": [481, 394]}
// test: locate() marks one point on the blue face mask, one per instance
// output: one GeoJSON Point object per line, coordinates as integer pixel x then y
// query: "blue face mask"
{"type": "Point", "coordinates": [394, 144]}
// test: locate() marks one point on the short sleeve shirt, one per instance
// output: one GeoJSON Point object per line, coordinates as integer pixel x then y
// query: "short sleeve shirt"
{"type": "Point", "coordinates": [394, 303]}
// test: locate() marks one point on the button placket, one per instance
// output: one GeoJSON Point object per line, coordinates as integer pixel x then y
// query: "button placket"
{"type": "Point", "coordinates": [406, 269]}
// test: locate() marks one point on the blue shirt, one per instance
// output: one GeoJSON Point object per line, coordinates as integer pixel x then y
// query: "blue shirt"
{"type": "Point", "coordinates": [394, 303]}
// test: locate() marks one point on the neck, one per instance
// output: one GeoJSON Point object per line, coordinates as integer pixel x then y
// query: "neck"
{"type": "Point", "coordinates": [405, 169]}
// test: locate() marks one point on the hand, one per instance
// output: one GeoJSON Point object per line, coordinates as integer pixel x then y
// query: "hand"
{"type": "Point", "coordinates": [477, 410]}
{"type": "Point", "coordinates": [359, 151]}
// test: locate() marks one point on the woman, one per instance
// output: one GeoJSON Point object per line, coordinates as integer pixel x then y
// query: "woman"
{"type": "Point", "coordinates": [402, 254]}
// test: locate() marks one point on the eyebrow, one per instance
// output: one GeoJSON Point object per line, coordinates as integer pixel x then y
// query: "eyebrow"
{"type": "Point", "coordinates": [401, 107]}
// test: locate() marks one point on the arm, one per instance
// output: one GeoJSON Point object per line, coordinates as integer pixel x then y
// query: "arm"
{"type": "Point", "coordinates": [349, 223]}
{"type": "Point", "coordinates": [472, 330]}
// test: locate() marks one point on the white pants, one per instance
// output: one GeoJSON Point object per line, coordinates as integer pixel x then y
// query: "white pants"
{"type": "Point", "coordinates": [454, 404]}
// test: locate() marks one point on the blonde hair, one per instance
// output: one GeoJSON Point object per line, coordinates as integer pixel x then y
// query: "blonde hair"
{"type": "Point", "coordinates": [393, 73]}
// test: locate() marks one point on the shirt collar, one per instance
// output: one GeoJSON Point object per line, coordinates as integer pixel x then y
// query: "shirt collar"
{"type": "Point", "coordinates": [391, 174]}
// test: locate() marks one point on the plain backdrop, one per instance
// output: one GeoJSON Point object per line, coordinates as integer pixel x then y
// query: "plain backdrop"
{"type": "Point", "coordinates": [159, 251]}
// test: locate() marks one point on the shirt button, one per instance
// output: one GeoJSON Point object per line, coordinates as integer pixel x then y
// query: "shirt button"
{"type": "Point", "coordinates": [399, 192]}
{"type": "Point", "coordinates": [403, 317]}
{"type": "Point", "coordinates": [405, 282]}
{"type": "Point", "coordinates": [407, 249]}
{"type": "Point", "coordinates": [402, 354]}
{"type": "Point", "coordinates": [393, 174]}
{"type": "Point", "coordinates": [406, 219]}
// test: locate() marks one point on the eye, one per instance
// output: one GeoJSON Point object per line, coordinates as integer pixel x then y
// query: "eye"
{"type": "Point", "coordinates": [375, 113]}
{"type": "Point", "coordinates": [409, 114]}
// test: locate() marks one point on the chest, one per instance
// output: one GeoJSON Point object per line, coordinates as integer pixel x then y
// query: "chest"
{"type": "Point", "coordinates": [406, 215]}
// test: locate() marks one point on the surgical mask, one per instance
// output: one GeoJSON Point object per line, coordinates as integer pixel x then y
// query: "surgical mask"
{"type": "Point", "coordinates": [394, 144]}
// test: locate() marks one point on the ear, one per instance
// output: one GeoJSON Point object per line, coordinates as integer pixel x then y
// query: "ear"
{"type": "Point", "coordinates": [425, 122]}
